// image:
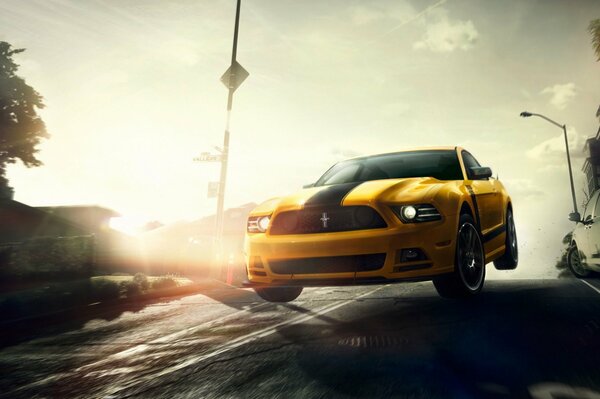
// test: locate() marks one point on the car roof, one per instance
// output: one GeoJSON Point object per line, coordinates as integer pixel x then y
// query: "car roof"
{"type": "Point", "coordinates": [436, 148]}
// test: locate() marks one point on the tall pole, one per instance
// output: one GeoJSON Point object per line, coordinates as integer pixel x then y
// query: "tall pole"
{"type": "Point", "coordinates": [225, 149]}
{"type": "Point", "coordinates": [526, 114]}
{"type": "Point", "coordinates": [570, 169]}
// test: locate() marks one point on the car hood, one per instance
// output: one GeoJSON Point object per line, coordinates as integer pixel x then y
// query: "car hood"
{"type": "Point", "coordinates": [409, 190]}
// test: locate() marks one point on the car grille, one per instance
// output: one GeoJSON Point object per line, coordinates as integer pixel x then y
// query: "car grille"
{"type": "Point", "coordinates": [329, 264]}
{"type": "Point", "coordinates": [326, 220]}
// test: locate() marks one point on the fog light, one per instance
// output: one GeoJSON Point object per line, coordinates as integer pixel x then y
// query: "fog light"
{"type": "Point", "coordinates": [410, 255]}
{"type": "Point", "coordinates": [409, 212]}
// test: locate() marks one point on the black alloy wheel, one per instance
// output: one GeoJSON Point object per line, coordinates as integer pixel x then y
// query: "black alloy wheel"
{"type": "Point", "coordinates": [278, 294]}
{"type": "Point", "coordinates": [469, 267]}
{"type": "Point", "coordinates": [510, 259]}
{"type": "Point", "coordinates": [575, 263]}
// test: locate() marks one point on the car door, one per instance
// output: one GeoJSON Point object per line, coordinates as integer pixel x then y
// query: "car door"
{"type": "Point", "coordinates": [489, 200]}
{"type": "Point", "coordinates": [591, 230]}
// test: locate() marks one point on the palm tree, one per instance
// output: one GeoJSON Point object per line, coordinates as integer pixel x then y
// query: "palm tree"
{"type": "Point", "coordinates": [594, 29]}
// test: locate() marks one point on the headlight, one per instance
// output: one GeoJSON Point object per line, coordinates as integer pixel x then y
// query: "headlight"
{"type": "Point", "coordinates": [258, 224]}
{"type": "Point", "coordinates": [417, 213]}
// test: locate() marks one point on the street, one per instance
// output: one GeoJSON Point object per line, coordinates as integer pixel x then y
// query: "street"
{"type": "Point", "coordinates": [518, 339]}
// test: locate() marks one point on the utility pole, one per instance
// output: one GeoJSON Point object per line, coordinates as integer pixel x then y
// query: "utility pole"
{"type": "Point", "coordinates": [232, 79]}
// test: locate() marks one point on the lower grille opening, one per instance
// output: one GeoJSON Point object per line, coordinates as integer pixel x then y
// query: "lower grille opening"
{"type": "Point", "coordinates": [329, 264]}
{"type": "Point", "coordinates": [399, 269]}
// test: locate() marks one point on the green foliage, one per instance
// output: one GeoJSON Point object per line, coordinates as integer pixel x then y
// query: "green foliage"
{"type": "Point", "coordinates": [594, 29]}
{"type": "Point", "coordinates": [130, 288]}
{"type": "Point", "coordinates": [21, 128]}
{"type": "Point", "coordinates": [164, 283]}
{"type": "Point", "coordinates": [47, 257]}
{"type": "Point", "coordinates": [104, 289]}
{"type": "Point", "coordinates": [141, 280]}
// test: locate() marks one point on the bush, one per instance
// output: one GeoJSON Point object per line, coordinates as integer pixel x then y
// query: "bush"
{"type": "Point", "coordinates": [164, 283]}
{"type": "Point", "coordinates": [130, 288]}
{"type": "Point", "coordinates": [142, 281]}
{"type": "Point", "coordinates": [47, 257]}
{"type": "Point", "coordinates": [104, 289]}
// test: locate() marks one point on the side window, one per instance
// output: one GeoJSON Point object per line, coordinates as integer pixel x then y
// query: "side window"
{"type": "Point", "coordinates": [470, 162]}
{"type": "Point", "coordinates": [590, 207]}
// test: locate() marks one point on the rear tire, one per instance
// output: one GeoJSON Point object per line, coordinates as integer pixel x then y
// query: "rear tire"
{"type": "Point", "coordinates": [279, 294]}
{"type": "Point", "coordinates": [575, 264]}
{"type": "Point", "coordinates": [510, 259]}
{"type": "Point", "coordinates": [469, 265]}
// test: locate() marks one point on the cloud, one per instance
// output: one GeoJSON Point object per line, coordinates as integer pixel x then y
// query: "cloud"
{"type": "Point", "coordinates": [363, 15]}
{"type": "Point", "coordinates": [561, 95]}
{"type": "Point", "coordinates": [444, 35]}
{"type": "Point", "coordinates": [553, 148]}
{"type": "Point", "coordinates": [523, 188]}
{"type": "Point", "coordinates": [418, 15]}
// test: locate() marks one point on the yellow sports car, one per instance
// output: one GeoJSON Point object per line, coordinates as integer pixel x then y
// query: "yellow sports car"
{"type": "Point", "coordinates": [426, 214]}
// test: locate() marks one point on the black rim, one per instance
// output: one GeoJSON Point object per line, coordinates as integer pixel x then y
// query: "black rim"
{"type": "Point", "coordinates": [470, 256]}
{"type": "Point", "coordinates": [512, 237]}
{"type": "Point", "coordinates": [575, 262]}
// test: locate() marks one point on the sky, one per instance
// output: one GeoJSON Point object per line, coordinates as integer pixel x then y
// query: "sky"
{"type": "Point", "coordinates": [133, 95]}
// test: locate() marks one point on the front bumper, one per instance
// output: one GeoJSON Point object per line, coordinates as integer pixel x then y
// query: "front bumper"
{"type": "Point", "coordinates": [435, 239]}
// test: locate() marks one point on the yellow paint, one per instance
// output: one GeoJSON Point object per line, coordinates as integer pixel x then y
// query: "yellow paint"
{"type": "Point", "coordinates": [437, 238]}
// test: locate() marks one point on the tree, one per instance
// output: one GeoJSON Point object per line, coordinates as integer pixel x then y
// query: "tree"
{"type": "Point", "coordinates": [21, 128]}
{"type": "Point", "coordinates": [594, 29]}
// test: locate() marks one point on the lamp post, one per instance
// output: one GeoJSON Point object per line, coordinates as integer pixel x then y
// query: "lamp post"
{"type": "Point", "coordinates": [575, 215]}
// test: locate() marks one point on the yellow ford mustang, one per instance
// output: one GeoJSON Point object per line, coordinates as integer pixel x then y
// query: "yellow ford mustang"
{"type": "Point", "coordinates": [427, 214]}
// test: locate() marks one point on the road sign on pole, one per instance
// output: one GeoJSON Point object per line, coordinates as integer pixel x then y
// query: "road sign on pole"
{"type": "Point", "coordinates": [234, 76]}
{"type": "Point", "coordinates": [232, 79]}
{"type": "Point", "coordinates": [208, 157]}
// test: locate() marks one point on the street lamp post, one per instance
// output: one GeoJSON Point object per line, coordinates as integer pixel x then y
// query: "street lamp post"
{"type": "Point", "coordinates": [575, 215]}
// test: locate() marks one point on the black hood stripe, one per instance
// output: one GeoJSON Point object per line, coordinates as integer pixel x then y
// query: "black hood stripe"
{"type": "Point", "coordinates": [331, 195]}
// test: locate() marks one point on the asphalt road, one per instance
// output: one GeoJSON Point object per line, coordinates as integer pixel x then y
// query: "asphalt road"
{"type": "Point", "coordinates": [518, 339]}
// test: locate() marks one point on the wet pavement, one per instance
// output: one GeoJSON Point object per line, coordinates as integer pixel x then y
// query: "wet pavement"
{"type": "Point", "coordinates": [519, 338]}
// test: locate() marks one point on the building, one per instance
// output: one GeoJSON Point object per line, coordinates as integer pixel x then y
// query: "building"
{"type": "Point", "coordinates": [591, 165]}
{"type": "Point", "coordinates": [21, 222]}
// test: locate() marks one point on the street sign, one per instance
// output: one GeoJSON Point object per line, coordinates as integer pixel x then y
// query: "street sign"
{"type": "Point", "coordinates": [234, 76]}
{"type": "Point", "coordinates": [208, 157]}
{"type": "Point", "coordinates": [213, 189]}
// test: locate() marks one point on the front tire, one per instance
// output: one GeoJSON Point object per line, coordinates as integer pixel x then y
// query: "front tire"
{"type": "Point", "coordinates": [469, 266]}
{"type": "Point", "coordinates": [575, 264]}
{"type": "Point", "coordinates": [279, 294]}
{"type": "Point", "coordinates": [510, 259]}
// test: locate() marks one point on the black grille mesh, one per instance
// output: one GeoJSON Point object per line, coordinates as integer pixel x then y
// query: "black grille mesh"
{"type": "Point", "coordinates": [329, 264]}
{"type": "Point", "coordinates": [326, 220]}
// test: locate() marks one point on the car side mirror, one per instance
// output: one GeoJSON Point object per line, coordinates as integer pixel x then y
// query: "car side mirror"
{"type": "Point", "coordinates": [308, 185]}
{"type": "Point", "coordinates": [480, 173]}
{"type": "Point", "coordinates": [575, 217]}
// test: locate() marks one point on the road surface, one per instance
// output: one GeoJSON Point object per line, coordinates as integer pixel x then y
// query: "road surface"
{"type": "Point", "coordinates": [518, 339]}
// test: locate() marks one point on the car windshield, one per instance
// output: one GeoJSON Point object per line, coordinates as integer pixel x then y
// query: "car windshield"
{"type": "Point", "coordinates": [439, 164]}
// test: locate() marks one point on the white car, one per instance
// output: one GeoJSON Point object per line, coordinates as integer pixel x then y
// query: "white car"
{"type": "Point", "coordinates": [583, 257]}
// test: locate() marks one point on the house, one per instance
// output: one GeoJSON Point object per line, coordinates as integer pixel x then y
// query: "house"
{"type": "Point", "coordinates": [20, 222]}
